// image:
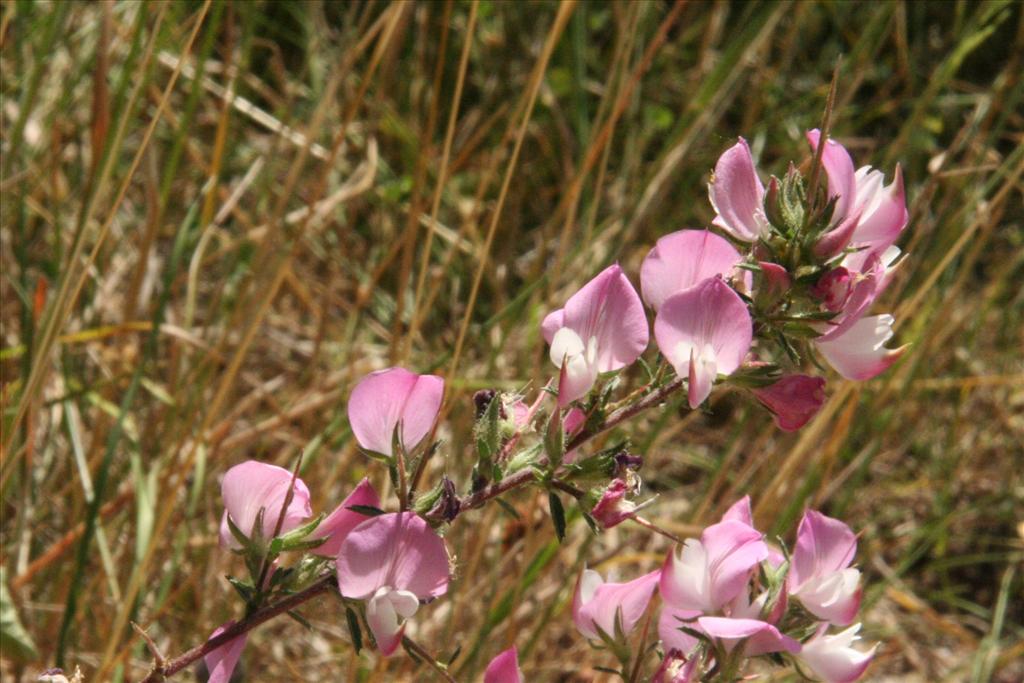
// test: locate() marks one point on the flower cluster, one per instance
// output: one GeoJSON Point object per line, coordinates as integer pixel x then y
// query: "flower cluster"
{"type": "Point", "coordinates": [788, 279]}
{"type": "Point", "coordinates": [793, 277]}
{"type": "Point", "coordinates": [728, 597]}
{"type": "Point", "coordinates": [387, 563]}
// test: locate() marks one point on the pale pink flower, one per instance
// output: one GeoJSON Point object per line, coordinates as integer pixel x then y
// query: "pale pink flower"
{"type": "Point", "coordinates": [599, 605]}
{"type": "Point", "coordinates": [859, 352]}
{"type": "Point", "coordinates": [393, 561]}
{"type": "Point", "coordinates": [708, 574]}
{"type": "Point", "coordinates": [504, 668]}
{"type": "Point", "coordinates": [221, 663]}
{"type": "Point", "coordinates": [737, 194]}
{"type": "Point", "coordinates": [252, 486]}
{"type": "Point", "coordinates": [821, 576]}
{"type": "Point", "coordinates": [832, 659]}
{"type": "Point", "coordinates": [794, 400]}
{"type": "Point", "coordinates": [384, 399]}
{"type": "Point", "coordinates": [686, 258]}
{"type": "Point", "coordinates": [601, 329]}
{"type": "Point", "coordinates": [337, 525]}
{"type": "Point", "coordinates": [704, 331]}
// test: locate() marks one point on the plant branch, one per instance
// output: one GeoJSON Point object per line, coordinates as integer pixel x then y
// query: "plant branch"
{"type": "Point", "coordinates": [160, 671]}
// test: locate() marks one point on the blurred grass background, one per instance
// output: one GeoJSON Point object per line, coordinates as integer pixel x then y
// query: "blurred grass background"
{"type": "Point", "coordinates": [216, 216]}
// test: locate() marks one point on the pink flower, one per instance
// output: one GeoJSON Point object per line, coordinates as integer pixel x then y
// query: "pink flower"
{"type": "Point", "coordinates": [708, 574]}
{"type": "Point", "coordinates": [221, 663]}
{"type": "Point", "coordinates": [737, 194]}
{"type": "Point", "coordinates": [859, 352]}
{"type": "Point", "coordinates": [759, 637]}
{"type": "Point", "coordinates": [601, 329]}
{"type": "Point", "coordinates": [794, 400]}
{"type": "Point", "coordinates": [337, 525]}
{"type": "Point", "coordinates": [686, 258]}
{"type": "Point", "coordinates": [394, 561]}
{"type": "Point", "coordinates": [504, 668]}
{"type": "Point", "coordinates": [832, 659]}
{"type": "Point", "coordinates": [252, 486]}
{"type": "Point", "coordinates": [384, 399]}
{"type": "Point", "coordinates": [842, 186]}
{"type": "Point", "coordinates": [868, 215]}
{"type": "Point", "coordinates": [704, 331]}
{"type": "Point", "coordinates": [599, 606]}
{"type": "Point", "coordinates": [821, 577]}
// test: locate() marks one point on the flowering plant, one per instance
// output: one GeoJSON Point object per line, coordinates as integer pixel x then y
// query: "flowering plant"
{"type": "Point", "coordinates": [781, 287]}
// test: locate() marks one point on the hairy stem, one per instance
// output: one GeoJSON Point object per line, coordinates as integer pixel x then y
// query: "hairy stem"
{"type": "Point", "coordinates": [324, 584]}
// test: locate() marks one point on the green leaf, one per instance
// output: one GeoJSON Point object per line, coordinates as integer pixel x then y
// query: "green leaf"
{"type": "Point", "coordinates": [354, 630]}
{"type": "Point", "coordinates": [299, 618]}
{"type": "Point", "coordinates": [15, 642]}
{"type": "Point", "coordinates": [557, 514]}
{"type": "Point", "coordinates": [367, 510]}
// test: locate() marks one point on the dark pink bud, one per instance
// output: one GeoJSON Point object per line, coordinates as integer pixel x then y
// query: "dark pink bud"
{"type": "Point", "coordinates": [776, 279]}
{"type": "Point", "coordinates": [794, 400]}
{"type": "Point", "coordinates": [833, 289]}
{"type": "Point", "coordinates": [613, 507]}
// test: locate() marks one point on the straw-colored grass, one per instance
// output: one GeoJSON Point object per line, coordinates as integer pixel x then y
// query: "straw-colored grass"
{"type": "Point", "coordinates": [217, 216]}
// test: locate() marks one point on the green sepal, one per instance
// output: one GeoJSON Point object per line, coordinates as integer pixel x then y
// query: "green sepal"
{"type": "Point", "coordinates": [245, 591]}
{"type": "Point", "coordinates": [554, 439]}
{"type": "Point", "coordinates": [487, 433]}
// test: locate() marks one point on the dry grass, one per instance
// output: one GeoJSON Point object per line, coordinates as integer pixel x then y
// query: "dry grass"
{"type": "Point", "coordinates": [216, 217]}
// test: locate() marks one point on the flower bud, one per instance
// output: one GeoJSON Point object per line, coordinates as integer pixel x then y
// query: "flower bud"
{"type": "Point", "coordinates": [833, 289]}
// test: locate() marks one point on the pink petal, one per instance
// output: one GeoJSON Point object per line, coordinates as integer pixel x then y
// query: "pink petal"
{"type": "Point", "coordinates": [704, 329]}
{"type": "Point", "coordinates": [384, 398]}
{"type": "Point", "coordinates": [842, 184]}
{"type": "Point", "coordinates": [734, 549]}
{"type": "Point", "coordinates": [683, 259]}
{"type": "Point", "coordinates": [221, 662]}
{"type": "Point", "coordinates": [859, 353]}
{"type": "Point", "coordinates": [794, 400]}
{"type": "Point", "coordinates": [737, 194]}
{"type": "Point", "coordinates": [504, 668]}
{"type": "Point", "coordinates": [386, 626]}
{"type": "Point", "coordinates": [575, 379]}
{"type": "Point", "coordinates": [596, 605]}
{"type": "Point", "coordinates": [609, 310]}
{"type": "Point", "coordinates": [337, 525]}
{"type": "Point", "coordinates": [831, 658]}
{"type": "Point", "coordinates": [883, 210]}
{"type": "Point", "coordinates": [552, 322]}
{"type": "Point", "coordinates": [250, 486]}
{"type": "Point", "coordinates": [397, 550]}
{"type": "Point", "coordinates": [672, 638]}
{"type": "Point", "coordinates": [763, 637]}
{"type": "Point", "coordinates": [740, 511]}
{"type": "Point", "coordinates": [823, 545]}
